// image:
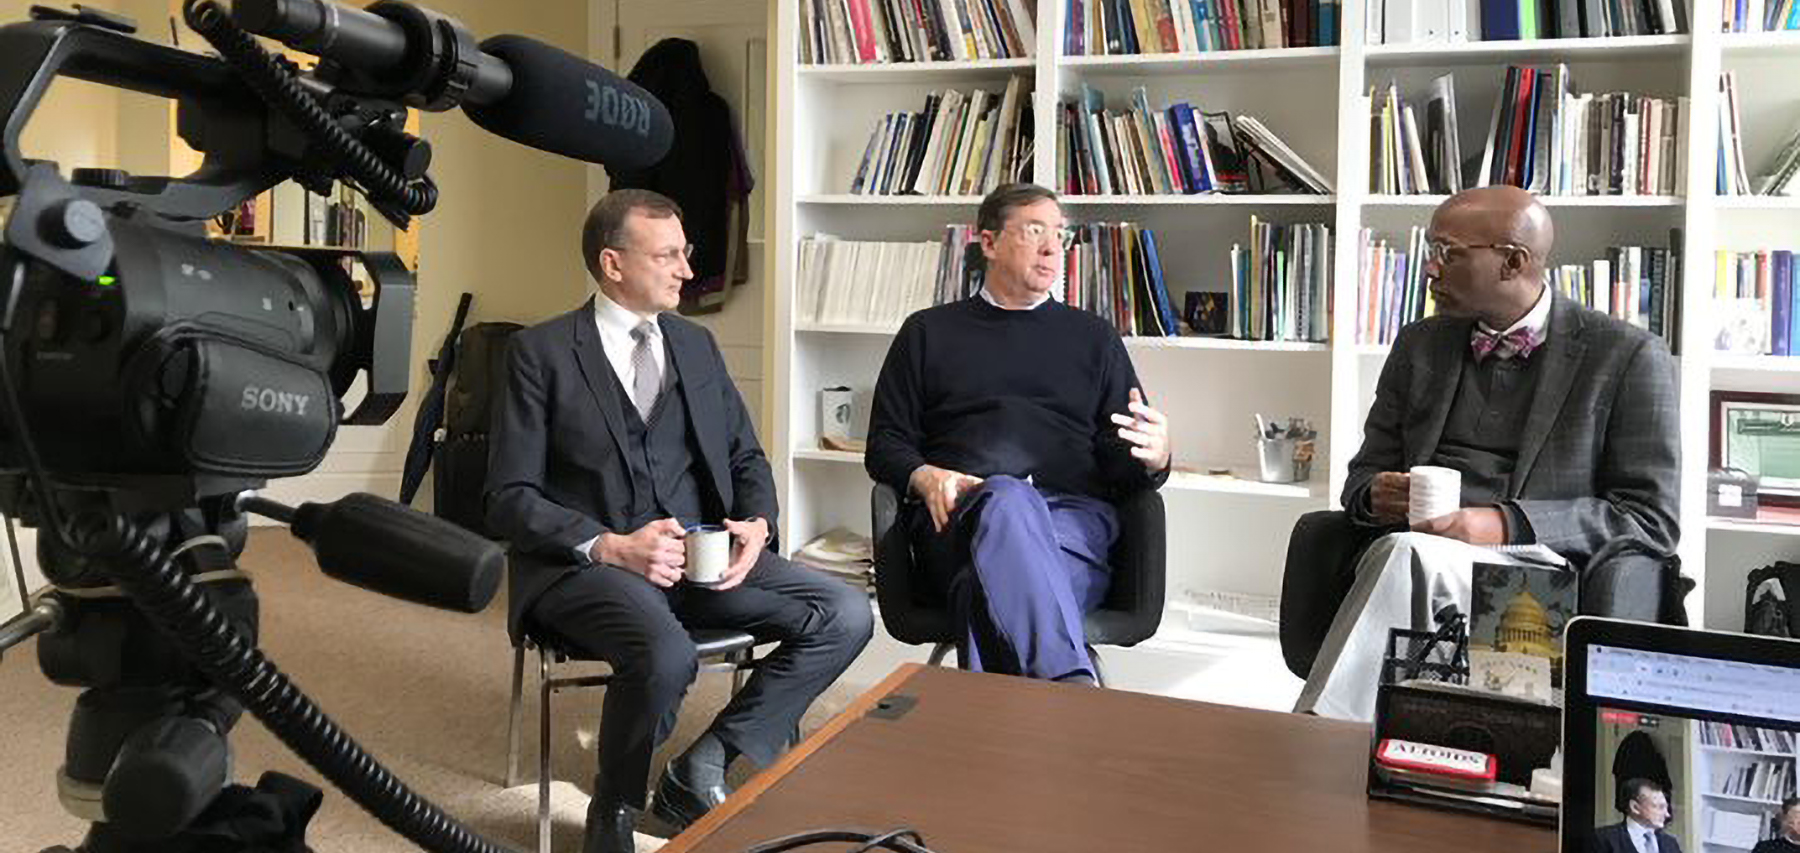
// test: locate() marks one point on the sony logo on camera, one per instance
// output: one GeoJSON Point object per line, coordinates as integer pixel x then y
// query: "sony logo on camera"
{"type": "Point", "coordinates": [271, 400]}
{"type": "Point", "coordinates": [613, 108]}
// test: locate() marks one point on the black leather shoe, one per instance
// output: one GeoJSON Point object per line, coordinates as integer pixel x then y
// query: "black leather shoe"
{"type": "Point", "coordinates": [680, 802]}
{"type": "Point", "coordinates": [609, 828]}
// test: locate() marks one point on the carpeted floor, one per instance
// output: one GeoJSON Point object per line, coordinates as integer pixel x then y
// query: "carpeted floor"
{"type": "Point", "coordinates": [426, 691]}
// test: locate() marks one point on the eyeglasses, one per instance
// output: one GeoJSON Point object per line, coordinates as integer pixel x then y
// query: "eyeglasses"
{"type": "Point", "coordinates": [1043, 235]}
{"type": "Point", "coordinates": [668, 258]}
{"type": "Point", "coordinates": [1439, 251]}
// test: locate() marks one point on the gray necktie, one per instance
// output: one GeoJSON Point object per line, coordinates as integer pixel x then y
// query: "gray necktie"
{"type": "Point", "coordinates": [646, 379]}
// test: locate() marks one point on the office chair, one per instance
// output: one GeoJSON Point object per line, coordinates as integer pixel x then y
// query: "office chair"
{"type": "Point", "coordinates": [719, 651]}
{"type": "Point", "coordinates": [1130, 614]}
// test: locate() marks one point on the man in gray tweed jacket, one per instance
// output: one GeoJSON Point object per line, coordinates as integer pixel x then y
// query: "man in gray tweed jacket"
{"type": "Point", "coordinates": [1561, 419]}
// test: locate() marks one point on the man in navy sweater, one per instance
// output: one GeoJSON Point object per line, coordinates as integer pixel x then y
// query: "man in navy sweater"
{"type": "Point", "coordinates": [1013, 422]}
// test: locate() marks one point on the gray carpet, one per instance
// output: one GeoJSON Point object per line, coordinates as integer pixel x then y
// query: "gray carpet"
{"type": "Point", "coordinates": [426, 691]}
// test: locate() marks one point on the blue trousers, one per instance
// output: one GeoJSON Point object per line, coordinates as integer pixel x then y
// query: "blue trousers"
{"type": "Point", "coordinates": [1020, 567]}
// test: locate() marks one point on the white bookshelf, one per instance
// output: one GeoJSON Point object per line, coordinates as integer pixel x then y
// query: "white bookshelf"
{"type": "Point", "coordinates": [1712, 765]}
{"type": "Point", "coordinates": [1231, 535]}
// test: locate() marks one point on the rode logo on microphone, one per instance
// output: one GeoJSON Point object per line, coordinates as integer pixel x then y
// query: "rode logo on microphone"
{"type": "Point", "coordinates": [276, 402]}
{"type": "Point", "coordinates": [613, 108]}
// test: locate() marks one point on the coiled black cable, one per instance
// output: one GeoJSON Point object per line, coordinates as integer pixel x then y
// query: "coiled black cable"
{"type": "Point", "coordinates": [188, 617]}
{"type": "Point", "coordinates": [264, 73]}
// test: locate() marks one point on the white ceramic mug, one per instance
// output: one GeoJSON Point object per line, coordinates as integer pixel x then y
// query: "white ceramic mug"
{"type": "Point", "coordinates": [708, 554]}
{"type": "Point", "coordinates": [1433, 492]}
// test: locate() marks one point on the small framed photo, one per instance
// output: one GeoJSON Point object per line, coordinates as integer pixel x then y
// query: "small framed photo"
{"type": "Point", "coordinates": [1759, 433]}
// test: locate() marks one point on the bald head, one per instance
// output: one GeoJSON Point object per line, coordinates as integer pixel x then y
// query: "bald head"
{"type": "Point", "coordinates": [1495, 242]}
{"type": "Point", "coordinates": [1504, 214]}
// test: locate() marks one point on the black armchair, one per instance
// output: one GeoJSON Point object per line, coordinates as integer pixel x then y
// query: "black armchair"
{"type": "Point", "coordinates": [1130, 614]}
{"type": "Point", "coordinates": [1623, 581]}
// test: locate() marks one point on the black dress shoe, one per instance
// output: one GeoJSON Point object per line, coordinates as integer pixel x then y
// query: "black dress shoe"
{"type": "Point", "coordinates": [609, 828]}
{"type": "Point", "coordinates": [679, 802]}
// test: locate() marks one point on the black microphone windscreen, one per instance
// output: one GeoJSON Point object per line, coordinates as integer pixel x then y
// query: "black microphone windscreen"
{"type": "Point", "coordinates": [565, 105]}
{"type": "Point", "coordinates": [396, 550]}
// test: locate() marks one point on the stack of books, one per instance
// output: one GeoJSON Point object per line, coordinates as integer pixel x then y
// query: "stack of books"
{"type": "Point", "coordinates": [857, 283]}
{"type": "Point", "coordinates": [1734, 736]}
{"type": "Point", "coordinates": [1760, 16]}
{"type": "Point", "coordinates": [1114, 270]}
{"type": "Point", "coordinates": [1637, 284]}
{"type": "Point", "coordinates": [1280, 283]}
{"type": "Point", "coordinates": [1414, 155]}
{"type": "Point", "coordinates": [876, 31]}
{"type": "Point", "coordinates": [1734, 178]}
{"type": "Point", "coordinates": [1455, 21]}
{"type": "Point", "coordinates": [959, 144]}
{"type": "Point", "coordinates": [1549, 139]}
{"type": "Point", "coordinates": [1756, 290]}
{"type": "Point", "coordinates": [1170, 151]}
{"type": "Point", "coordinates": [1112, 27]}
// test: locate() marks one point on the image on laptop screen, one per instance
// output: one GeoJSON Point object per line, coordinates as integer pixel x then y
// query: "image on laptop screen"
{"type": "Point", "coordinates": [1691, 753]}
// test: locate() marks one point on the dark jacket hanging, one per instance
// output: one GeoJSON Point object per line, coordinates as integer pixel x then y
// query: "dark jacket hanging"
{"type": "Point", "coordinates": [704, 171]}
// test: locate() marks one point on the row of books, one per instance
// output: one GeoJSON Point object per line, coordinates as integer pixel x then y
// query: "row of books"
{"type": "Point", "coordinates": [1547, 138]}
{"type": "Point", "coordinates": [1112, 27]}
{"type": "Point", "coordinates": [1637, 284]}
{"type": "Point", "coordinates": [1455, 21]}
{"type": "Point", "coordinates": [959, 144]}
{"type": "Point", "coordinates": [1735, 829]}
{"type": "Point", "coordinates": [866, 283]}
{"type": "Point", "coordinates": [1759, 16]}
{"type": "Point", "coordinates": [1174, 150]}
{"type": "Point", "coordinates": [1115, 271]}
{"type": "Point", "coordinates": [878, 31]}
{"type": "Point", "coordinates": [1734, 177]}
{"type": "Point", "coordinates": [1281, 283]}
{"type": "Point", "coordinates": [1754, 304]}
{"type": "Point", "coordinates": [1769, 781]}
{"type": "Point", "coordinates": [1746, 737]}
{"type": "Point", "coordinates": [1411, 155]}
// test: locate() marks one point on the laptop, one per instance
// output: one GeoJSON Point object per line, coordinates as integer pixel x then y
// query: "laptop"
{"type": "Point", "coordinates": [1692, 737]}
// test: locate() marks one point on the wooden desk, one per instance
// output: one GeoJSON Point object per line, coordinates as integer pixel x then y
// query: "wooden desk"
{"type": "Point", "coordinates": [986, 764]}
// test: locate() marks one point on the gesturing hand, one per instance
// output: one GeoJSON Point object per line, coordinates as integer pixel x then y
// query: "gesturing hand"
{"type": "Point", "coordinates": [1148, 431]}
{"type": "Point", "coordinates": [655, 551]}
{"type": "Point", "coordinates": [747, 540]}
{"type": "Point", "coordinates": [941, 489]}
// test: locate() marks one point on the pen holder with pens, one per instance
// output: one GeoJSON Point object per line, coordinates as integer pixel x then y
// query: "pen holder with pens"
{"type": "Point", "coordinates": [1285, 460]}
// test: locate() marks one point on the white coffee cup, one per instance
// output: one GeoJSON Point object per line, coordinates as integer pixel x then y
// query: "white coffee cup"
{"type": "Point", "coordinates": [1433, 492]}
{"type": "Point", "coordinates": [708, 554]}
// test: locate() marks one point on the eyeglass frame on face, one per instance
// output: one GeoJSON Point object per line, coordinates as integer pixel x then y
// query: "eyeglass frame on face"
{"type": "Point", "coordinates": [1437, 250]}
{"type": "Point", "coordinates": [1065, 236]}
{"type": "Point", "coordinates": [661, 259]}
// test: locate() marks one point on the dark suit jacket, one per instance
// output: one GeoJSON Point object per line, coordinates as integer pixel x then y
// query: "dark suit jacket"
{"type": "Point", "coordinates": [1600, 456]}
{"type": "Point", "coordinates": [1614, 839]}
{"type": "Point", "coordinates": [557, 475]}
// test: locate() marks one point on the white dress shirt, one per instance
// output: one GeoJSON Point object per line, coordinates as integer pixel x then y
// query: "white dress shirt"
{"type": "Point", "coordinates": [615, 323]}
{"type": "Point", "coordinates": [1041, 299]}
{"type": "Point", "coordinates": [1535, 319]}
{"type": "Point", "coordinates": [1642, 837]}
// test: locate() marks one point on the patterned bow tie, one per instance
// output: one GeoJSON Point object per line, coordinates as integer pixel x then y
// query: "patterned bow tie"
{"type": "Point", "coordinates": [1519, 342]}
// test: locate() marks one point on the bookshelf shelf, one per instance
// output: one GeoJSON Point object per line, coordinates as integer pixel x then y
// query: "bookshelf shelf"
{"type": "Point", "coordinates": [1538, 50]}
{"type": "Point", "coordinates": [1758, 203]}
{"type": "Point", "coordinates": [1599, 201]}
{"type": "Point", "coordinates": [1759, 527]}
{"type": "Point", "coordinates": [1760, 44]}
{"type": "Point", "coordinates": [1201, 199]}
{"type": "Point", "coordinates": [1137, 342]}
{"type": "Point", "coordinates": [845, 199]}
{"type": "Point", "coordinates": [1737, 799]}
{"type": "Point", "coordinates": [1757, 363]}
{"type": "Point", "coordinates": [846, 456]}
{"type": "Point", "coordinates": [915, 72]}
{"type": "Point", "coordinates": [1242, 485]}
{"type": "Point", "coordinates": [1171, 64]}
{"type": "Point", "coordinates": [831, 329]}
{"type": "Point", "coordinates": [1732, 750]}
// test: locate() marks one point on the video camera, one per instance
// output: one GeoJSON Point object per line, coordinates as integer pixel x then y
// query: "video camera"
{"type": "Point", "coordinates": [152, 377]}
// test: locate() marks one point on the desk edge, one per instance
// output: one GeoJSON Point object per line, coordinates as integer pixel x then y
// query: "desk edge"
{"type": "Point", "coordinates": [713, 820]}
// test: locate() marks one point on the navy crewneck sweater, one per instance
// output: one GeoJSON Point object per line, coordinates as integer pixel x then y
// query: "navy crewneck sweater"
{"type": "Point", "coordinates": [980, 389]}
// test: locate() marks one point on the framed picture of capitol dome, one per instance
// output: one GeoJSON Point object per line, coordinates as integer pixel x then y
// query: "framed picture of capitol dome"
{"type": "Point", "coordinates": [1516, 621]}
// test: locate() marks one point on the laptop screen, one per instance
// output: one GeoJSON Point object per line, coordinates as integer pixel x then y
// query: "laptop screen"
{"type": "Point", "coordinates": [1698, 752]}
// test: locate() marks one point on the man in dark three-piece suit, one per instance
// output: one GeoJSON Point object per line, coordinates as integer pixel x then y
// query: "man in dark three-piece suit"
{"type": "Point", "coordinates": [618, 431]}
{"type": "Point", "coordinates": [1561, 420]}
{"type": "Point", "coordinates": [1644, 828]}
